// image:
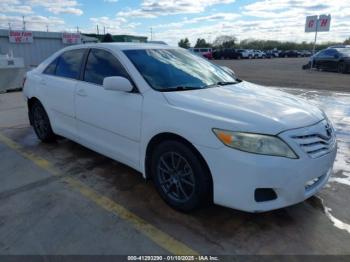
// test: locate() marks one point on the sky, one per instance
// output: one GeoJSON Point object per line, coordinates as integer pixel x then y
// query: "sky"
{"type": "Point", "coordinates": [171, 20]}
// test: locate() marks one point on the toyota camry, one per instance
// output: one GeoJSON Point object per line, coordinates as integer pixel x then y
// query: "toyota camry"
{"type": "Point", "coordinates": [200, 133]}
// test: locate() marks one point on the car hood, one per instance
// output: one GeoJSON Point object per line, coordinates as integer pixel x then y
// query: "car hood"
{"type": "Point", "coordinates": [248, 107]}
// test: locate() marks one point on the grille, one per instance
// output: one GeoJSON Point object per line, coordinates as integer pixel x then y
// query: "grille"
{"type": "Point", "coordinates": [319, 142]}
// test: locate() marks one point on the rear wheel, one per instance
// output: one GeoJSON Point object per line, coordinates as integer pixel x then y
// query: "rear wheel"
{"type": "Point", "coordinates": [41, 123]}
{"type": "Point", "coordinates": [180, 177]}
{"type": "Point", "coordinates": [342, 67]}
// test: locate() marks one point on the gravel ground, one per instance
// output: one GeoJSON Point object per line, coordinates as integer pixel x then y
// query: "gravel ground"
{"type": "Point", "coordinates": [287, 72]}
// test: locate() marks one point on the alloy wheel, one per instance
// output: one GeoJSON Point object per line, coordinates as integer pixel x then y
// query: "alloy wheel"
{"type": "Point", "coordinates": [176, 177]}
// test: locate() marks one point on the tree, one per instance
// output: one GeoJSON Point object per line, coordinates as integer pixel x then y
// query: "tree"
{"type": "Point", "coordinates": [201, 43]}
{"type": "Point", "coordinates": [184, 43]}
{"type": "Point", "coordinates": [347, 41]}
{"type": "Point", "coordinates": [107, 38]}
{"type": "Point", "coordinates": [225, 41]}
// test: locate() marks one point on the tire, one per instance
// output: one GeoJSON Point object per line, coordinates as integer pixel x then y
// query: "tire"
{"type": "Point", "coordinates": [180, 176]}
{"type": "Point", "coordinates": [342, 67]}
{"type": "Point", "coordinates": [250, 57]}
{"type": "Point", "coordinates": [41, 123]}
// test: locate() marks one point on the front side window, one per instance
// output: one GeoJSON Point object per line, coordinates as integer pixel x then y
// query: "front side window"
{"type": "Point", "coordinates": [173, 69]}
{"type": "Point", "coordinates": [101, 64]}
{"type": "Point", "coordinates": [69, 64]}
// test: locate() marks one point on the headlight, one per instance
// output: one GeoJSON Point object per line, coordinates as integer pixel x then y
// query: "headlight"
{"type": "Point", "coordinates": [255, 143]}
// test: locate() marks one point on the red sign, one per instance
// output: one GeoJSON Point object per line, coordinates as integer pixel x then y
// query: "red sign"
{"type": "Point", "coordinates": [71, 38]}
{"type": "Point", "coordinates": [19, 37]}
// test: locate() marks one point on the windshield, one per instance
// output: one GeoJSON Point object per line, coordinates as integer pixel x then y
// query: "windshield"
{"type": "Point", "coordinates": [345, 51]}
{"type": "Point", "coordinates": [176, 69]}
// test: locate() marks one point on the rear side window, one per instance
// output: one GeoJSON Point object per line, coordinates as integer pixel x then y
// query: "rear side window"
{"type": "Point", "coordinates": [69, 63]}
{"type": "Point", "coordinates": [101, 64]}
{"type": "Point", "coordinates": [51, 68]}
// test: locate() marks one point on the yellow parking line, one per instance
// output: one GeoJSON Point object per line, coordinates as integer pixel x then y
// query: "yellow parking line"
{"type": "Point", "coordinates": [156, 235]}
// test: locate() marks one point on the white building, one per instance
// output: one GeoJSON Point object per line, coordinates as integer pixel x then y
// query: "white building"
{"type": "Point", "coordinates": [37, 47]}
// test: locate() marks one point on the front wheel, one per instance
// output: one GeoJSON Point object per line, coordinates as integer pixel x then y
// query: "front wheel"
{"type": "Point", "coordinates": [41, 123]}
{"type": "Point", "coordinates": [180, 176]}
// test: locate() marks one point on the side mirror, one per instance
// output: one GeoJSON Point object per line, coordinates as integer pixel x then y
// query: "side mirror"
{"type": "Point", "coordinates": [229, 71]}
{"type": "Point", "coordinates": [117, 83]}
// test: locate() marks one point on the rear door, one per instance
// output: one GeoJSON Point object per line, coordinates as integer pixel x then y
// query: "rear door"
{"type": "Point", "coordinates": [108, 121]}
{"type": "Point", "coordinates": [59, 82]}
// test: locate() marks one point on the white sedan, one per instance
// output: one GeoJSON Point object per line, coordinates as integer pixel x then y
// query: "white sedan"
{"type": "Point", "coordinates": [197, 131]}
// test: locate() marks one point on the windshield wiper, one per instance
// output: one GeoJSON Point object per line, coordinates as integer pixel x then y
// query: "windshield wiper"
{"type": "Point", "coordinates": [221, 83]}
{"type": "Point", "coordinates": [180, 88]}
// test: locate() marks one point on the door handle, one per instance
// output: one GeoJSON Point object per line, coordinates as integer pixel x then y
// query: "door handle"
{"type": "Point", "coordinates": [81, 92]}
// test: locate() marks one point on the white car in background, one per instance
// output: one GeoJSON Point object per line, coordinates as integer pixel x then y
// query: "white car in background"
{"type": "Point", "coordinates": [192, 127]}
{"type": "Point", "coordinates": [246, 53]}
{"type": "Point", "coordinates": [259, 54]}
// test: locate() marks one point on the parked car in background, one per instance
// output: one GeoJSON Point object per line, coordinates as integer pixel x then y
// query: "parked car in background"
{"type": "Point", "coordinates": [276, 52]}
{"type": "Point", "coordinates": [259, 54]}
{"type": "Point", "coordinates": [270, 54]}
{"type": "Point", "coordinates": [339, 46]}
{"type": "Point", "coordinates": [332, 59]}
{"type": "Point", "coordinates": [290, 53]}
{"type": "Point", "coordinates": [199, 133]}
{"type": "Point", "coordinates": [231, 53]}
{"type": "Point", "coordinates": [205, 52]}
{"type": "Point", "coordinates": [246, 53]}
{"type": "Point", "coordinates": [305, 53]}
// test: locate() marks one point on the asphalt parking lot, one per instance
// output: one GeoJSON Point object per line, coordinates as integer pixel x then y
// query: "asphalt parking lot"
{"type": "Point", "coordinates": [287, 72]}
{"type": "Point", "coordinates": [62, 198]}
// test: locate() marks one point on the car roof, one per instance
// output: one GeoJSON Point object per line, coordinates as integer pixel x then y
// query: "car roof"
{"type": "Point", "coordinates": [122, 46]}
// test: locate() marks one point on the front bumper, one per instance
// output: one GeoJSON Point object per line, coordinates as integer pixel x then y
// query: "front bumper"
{"type": "Point", "coordinates": [237, 175]}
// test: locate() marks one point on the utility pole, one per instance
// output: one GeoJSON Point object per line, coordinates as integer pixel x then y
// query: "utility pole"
{"type": "Point", "coordinates": [98, 31]}
{"type": "Point", "coordinates": [314, 49]}
{"type": "Point", "coordinates": [77, 29]}
{"type": "Point", "coordinates": [47, 28]}
{"type": "Point", "coordinates": [9, 26]}
{"type": "Point", "coordinates": [24, 23]}
{"type": "Point", "coordinates": [151, 29]}
{"type": "Point", "coordinates": [104, 30]}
